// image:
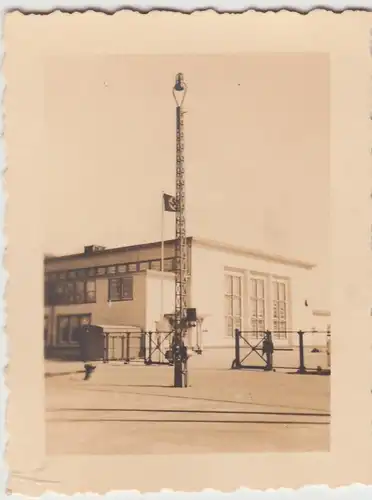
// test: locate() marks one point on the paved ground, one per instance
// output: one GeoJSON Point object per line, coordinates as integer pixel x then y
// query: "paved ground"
{"type": "Point", "coordinates": [134, 409]}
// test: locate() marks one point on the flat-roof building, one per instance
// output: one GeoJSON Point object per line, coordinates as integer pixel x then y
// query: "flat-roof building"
{"type": "Point", "coordinates": [230, 287]}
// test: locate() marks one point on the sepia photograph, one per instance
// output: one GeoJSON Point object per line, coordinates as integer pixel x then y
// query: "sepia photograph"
{"type": "Point", "coordinates": [187, 249]}
{"type": "Point", "coordinates": [186, 254]}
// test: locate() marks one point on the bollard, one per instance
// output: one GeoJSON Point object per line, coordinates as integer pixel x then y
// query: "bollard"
{"type": "Point", "coordinates": [302, 368]}
{"type": "Point", "coordinates": [237, 348]}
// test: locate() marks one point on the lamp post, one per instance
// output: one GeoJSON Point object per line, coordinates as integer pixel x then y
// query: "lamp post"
{"type": "Point", "coordinates": [180, 324]}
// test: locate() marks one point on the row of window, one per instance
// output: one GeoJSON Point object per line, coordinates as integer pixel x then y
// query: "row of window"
{"type": "Point", "coordinates": [113, 270]}
{"type": "Point", "coordinates": [84, 292]}
{"type": "Point", "coordinates": [67, 327]}
{"type": "Point", "coordinates": [268, 304]}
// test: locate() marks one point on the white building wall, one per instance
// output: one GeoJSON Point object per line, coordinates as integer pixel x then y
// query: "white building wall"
{"type": "Point", "coordinates": [159, 297]}
{"type": "Point", "coordinates": [208, 290]}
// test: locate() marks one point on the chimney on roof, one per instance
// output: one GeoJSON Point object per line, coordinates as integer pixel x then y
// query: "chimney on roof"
{"type": "Point", "coordinates": [93, 249]}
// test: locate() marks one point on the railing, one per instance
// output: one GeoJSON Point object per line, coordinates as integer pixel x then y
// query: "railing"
{"type": "Point", "coordinates": [154, 348]}
{"type": "Point", "coordinates": [123, 346]}
{"type": "Point", "coordinates": [314, 358]}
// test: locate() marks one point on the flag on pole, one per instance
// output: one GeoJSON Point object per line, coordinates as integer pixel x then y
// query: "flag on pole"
{"type": "Point", "coordinates": [170, 203]}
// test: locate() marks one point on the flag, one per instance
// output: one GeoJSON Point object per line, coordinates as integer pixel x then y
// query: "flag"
{"type": "Point", "coordinates": [170, 203]}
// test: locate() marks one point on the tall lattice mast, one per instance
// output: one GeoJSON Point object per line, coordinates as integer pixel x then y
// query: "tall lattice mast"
{"type": "Point", "coordinates": [179, 92]}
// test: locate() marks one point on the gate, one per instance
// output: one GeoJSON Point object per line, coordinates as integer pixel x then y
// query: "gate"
{"type": "Point", "coordinates": [264, 344]}
{"type": "Point", "coordinates": [158, 348]}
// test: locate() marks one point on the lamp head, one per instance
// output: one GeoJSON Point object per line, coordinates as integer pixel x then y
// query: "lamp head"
{"type": "Point", "coordinates": [179, 85]}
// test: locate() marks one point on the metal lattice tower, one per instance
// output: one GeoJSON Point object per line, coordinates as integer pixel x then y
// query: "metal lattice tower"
{"type": "Point", "coordinates": [180, 326]}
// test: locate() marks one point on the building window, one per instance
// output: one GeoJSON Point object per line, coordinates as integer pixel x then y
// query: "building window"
{"type": "Point", "coordinates": [258, 306]}
{"type": "Point", "coordinates": [47, 297]}
{"type": "Point", "coordinates": [64, 293]}
{"type": "Point", "coordinates": [67, 327]}
{"type": "Point", "coordinates": [121, 288]}
{"type": "Point", "coordinates": [81, 273]}
{"type": "Point", "coordinates": [233, 303]}
{"type": "Point", "coordinates": [79, 292]}
{"type": "Point", "coordinates": [280, 308]}
{"type": "Point", "coordinates": [115, 289]}
{"type": "Point", "coordinates": [169, 265]}
{"type": "Point", "coordinates": [122, 268]}
{"type": "Point", "coordinates": [46, 329]}
{"type": "Point", "coordinates": [112, 270]}
{"type": "Point", "coordinates": [100, 271]}
{"type": "Point", "coordinates": [70, 292]}
{"type": "Point", "coordinates": [90, 291]}
{"type": "Point", "coordinates": [155, 265]}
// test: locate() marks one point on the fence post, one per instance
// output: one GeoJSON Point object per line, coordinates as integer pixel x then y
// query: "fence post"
{"type": "Point", "coordinates": [302, 368]}
{"type": "Point", "coordinates": [237, 348]}
{"type": "Point", "coordinates": [128, 347]}
{"type": "Point", "coordinates": [145, 347]}
{"type": "Point", "coordinates": [149, 360]}
{"type": "Point", "coordinates": [328, 349]}
{"type": "Point", "coordinates": [122, 348]}
{"type": "Point", "coordinates": [105, 348]}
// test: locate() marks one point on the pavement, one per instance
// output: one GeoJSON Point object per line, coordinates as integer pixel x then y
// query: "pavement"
{"type": "Point", "coordinates": [221, 359]}
{"type": "Point", "coordinates": [134, 409]}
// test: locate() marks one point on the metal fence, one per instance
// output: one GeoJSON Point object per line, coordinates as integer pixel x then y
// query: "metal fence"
{"type": "Point", "coordinates": [158, 348]}
{"type": "Point", "coordinates": [124, 346]}
{"type": "Point", "coordinates": [308, 352]}
{"type": "Point", "coordinates": [153, 348]}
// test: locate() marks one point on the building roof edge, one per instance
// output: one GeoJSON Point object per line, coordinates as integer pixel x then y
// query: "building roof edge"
{"type": "Point", "coordinates": [254, 253]}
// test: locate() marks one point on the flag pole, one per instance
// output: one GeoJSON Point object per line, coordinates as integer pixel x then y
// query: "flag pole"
{"type": "Point", "coordinates": [162, 258]}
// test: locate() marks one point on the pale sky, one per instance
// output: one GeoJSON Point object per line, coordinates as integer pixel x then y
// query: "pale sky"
{"type": "Point", "coordinates": [256, 150]}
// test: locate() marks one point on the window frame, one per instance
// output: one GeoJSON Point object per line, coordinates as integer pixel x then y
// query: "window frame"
{"type": "Point", "coordinates": [110, 270]}
{"type": "Point", "coordinates": [86, 292]}
{"type": "Point", "coordinates": [265, 299]}
{"type": "Point", "coordinates": [231, 297]}
{"type": "Point", "coordinates": [121, 279]}
{"type": "Point", "coordinates": [46, 329]}
{"type": "Point", "coordinates": [277, 333]}
{"type": "Point", "coordinates": [269, 281]}
{"type": "Point", "coordinates": [60, 317]}
{"type": "Point", "coordinates": [64, 300]}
